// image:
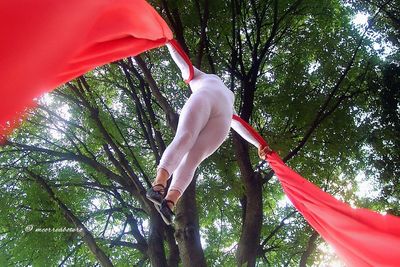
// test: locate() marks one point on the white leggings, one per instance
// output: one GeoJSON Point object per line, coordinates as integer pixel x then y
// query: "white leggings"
{"type": "Point", "coordinates": [203, 126]}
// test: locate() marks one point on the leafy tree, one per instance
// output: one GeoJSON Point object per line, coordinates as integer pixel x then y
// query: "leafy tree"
{"type": "Point", "coordinates": [308, 79]}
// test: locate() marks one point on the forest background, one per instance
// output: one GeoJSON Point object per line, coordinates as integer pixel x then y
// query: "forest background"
{"type": "Point", "coordinates": [318, 79]}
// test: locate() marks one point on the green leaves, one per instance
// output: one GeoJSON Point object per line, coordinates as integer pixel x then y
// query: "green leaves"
{"type": "Point", "coordinates": [315, 93]}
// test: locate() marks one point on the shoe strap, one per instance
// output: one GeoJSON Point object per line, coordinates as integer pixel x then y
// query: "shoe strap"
{"type": "Point", "coordinates": [162, 190]}
{"type": "Point", "coordinates": [170, 201]}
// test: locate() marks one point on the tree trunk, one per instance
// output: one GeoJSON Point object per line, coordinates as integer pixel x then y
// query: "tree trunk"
{"type": "Point", "coordinates": [173, 255]}
{"type": "Point", "coordinates": [187, 229]}
{"type": "Point", "coordinates": [249, 242]}
{"type": "Point", "coordinates": [310, 249]}
{"type": "Point", "coordinates": [155, 250]}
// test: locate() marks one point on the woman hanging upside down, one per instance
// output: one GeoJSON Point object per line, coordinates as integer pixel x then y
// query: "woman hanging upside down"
{"type": "Point", "coordinates": [203, 126]}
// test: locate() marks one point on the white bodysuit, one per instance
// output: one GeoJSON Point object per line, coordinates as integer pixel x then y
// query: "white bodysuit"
{"type": "Point", "coordinates": [204, 124]}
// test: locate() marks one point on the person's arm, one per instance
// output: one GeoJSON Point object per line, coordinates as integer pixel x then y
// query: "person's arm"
{"type": "Point", "coordinates": [244, 132]}
{"type": "Point", "coordinates": [181, 60]}
{"type": "Point", "coordinates": [238, 127]}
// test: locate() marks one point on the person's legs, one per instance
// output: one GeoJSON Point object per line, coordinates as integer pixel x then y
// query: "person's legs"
{"type": "Point", "coordinates": [208, 141]}
{"type": "Point", "coordinates": [192, 120]}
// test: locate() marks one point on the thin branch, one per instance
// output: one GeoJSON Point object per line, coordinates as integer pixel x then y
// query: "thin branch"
{"type": "Point", "coordinates": [70, 216]}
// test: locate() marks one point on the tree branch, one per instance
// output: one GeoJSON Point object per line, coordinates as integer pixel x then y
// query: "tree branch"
{"type": "Point", "coordinates": [86, 235]}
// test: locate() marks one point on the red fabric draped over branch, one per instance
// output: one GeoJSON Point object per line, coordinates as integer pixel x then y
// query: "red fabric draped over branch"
{"type": "Point", "coordinates": [360, 237]}
{"type": "Point", "coordinates": [45, 43]}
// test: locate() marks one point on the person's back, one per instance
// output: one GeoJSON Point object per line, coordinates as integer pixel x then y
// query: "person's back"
{"type": "Point", "coordinates": [213, 90]}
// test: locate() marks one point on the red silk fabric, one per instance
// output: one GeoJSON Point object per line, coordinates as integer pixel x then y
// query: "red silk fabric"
{"type": "Point", "coordinates": [360, 237]}
{"type": "Point", "coordinates": [45, 43]}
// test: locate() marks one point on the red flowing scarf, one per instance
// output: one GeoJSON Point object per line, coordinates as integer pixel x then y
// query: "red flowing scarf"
{"type": "Point", "coordinates": [45, 43]}
{"type": "Point", "coordinates": [360, 237]}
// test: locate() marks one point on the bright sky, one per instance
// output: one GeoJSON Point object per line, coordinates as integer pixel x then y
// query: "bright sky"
{"type": "Point", "coordinates": [360, 19]}
{"type": "Point", "coordinates": [384, 48]}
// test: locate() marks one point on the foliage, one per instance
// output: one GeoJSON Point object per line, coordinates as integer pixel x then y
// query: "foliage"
{"type": "Point", "coordinates": [319, 73]}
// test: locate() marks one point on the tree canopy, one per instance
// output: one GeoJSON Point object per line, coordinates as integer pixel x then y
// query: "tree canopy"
{"type": "Point", "coordinates": [318, 79]}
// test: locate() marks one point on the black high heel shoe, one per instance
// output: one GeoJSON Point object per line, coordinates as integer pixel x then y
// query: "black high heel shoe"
{"type": "Point", "coordinates": [166, 213]}
{"type": "Point", "coordinates": [156, 196]}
